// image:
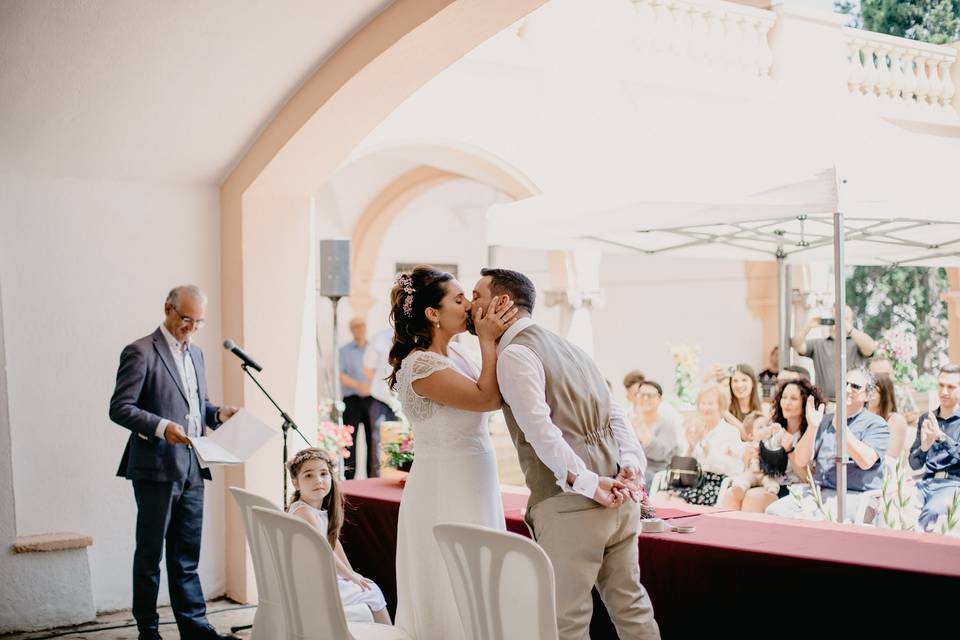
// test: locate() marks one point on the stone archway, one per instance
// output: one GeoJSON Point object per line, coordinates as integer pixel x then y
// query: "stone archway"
{"type": "Point", "coordinates": [266, 227]}
{"type": "Point", "coordinates": [372, 225]}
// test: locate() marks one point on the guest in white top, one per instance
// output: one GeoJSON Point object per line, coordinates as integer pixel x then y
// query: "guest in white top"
{"type": "Point", "coordinates": [719, 452]}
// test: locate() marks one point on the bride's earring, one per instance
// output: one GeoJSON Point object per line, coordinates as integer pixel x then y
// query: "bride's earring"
{"type": "Point", "coordinates": [438, 324]}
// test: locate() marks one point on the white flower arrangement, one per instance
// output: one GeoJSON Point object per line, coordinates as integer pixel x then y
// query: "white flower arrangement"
{"type": "Point", "coordinates": [686, 365]}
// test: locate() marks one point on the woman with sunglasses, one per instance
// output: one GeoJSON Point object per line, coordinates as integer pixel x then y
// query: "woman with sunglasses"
{"type": "Point", "coordinates": [868, 438]}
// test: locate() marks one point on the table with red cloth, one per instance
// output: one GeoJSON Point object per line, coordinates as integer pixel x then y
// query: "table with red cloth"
{"type": "Point", "coordinates": [738, 571]}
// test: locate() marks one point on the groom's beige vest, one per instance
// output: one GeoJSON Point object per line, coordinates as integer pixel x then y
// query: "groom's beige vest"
{"type": "Point", "coordinates": [579, 404]}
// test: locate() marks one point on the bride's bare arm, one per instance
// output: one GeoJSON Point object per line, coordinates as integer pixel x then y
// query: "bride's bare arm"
{"type": "Point", "coordinates": [450, 388]}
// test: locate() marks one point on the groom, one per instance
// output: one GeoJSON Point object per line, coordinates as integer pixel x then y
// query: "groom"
{"type": "Point", "coordinates": [582, 463]}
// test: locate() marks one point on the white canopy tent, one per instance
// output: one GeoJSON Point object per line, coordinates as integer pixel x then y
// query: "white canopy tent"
{"type": "Point", "coordinates": [870, 212]}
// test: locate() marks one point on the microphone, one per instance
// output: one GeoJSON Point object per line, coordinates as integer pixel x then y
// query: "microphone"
{"type": "Point", "coordinates": [232, 347]}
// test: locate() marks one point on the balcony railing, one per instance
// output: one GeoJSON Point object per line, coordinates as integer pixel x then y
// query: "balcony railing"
{"type": "Point", "coordinates": [903, 77]}
{"type": "Point", "coordinates": [710, 35]}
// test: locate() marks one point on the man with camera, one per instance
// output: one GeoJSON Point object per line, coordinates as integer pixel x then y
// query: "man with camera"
{"type": "Point", "coordinates": [822, 351]}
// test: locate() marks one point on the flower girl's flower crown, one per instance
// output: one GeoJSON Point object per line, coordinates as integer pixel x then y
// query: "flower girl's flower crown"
{"type": "Point", "coordinates": [405, 282]}
{"type": "Point", "coordinates": [311, 453]}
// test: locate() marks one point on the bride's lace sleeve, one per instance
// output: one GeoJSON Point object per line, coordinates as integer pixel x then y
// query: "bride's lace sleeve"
{"type": "Point", "coordinates": [418, 365]}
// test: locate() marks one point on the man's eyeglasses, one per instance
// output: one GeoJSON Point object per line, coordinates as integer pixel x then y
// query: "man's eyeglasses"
{"type": "Point", "coordinates": [648, 395]}
{"type": "Point", "coordinates": [187, 320]}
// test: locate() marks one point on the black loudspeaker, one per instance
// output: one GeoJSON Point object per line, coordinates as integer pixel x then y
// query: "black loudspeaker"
{"type": "Point", "coordinates": [335, 268]}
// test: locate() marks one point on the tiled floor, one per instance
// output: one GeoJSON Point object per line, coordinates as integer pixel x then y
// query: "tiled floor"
{"type": "Point", "coordinates": [222, 613]}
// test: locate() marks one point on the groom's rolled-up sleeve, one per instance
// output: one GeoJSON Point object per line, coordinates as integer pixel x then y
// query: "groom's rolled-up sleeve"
{"type": "Point", "coordinates": [631, 451]}
{"type": "Point", "coordinates": [523, 384]}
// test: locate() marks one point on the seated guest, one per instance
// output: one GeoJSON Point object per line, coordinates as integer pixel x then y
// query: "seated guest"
{"type": "Point", "coordinates": [768, 377]}
{"type": "Point", "coordinates": [868, 438]}
{"type": "Point", "coordinates": [906, 406]}
{"type": "Point", "coordinates": [719, 452]}
{"type": "Point", "coordinates": [793, 372]}
{"type": "Point", "coordinates": [744, 394]}
{"type": "Point", "coordinates": [756, 428]}
{"type": "Point", "coordinates": [631, 382]}
{"type": "Point", "coordinates": [936, 450]}
{"type": "Point", "coordinates": [658, 434]}
{"type": "Point", "coordinates": [883, 403]}
{"type": "Point", "coordinates": [776, 456]}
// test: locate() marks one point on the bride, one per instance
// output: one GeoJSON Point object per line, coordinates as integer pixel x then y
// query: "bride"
{"type": "Point", "coordinates": [446, 399]}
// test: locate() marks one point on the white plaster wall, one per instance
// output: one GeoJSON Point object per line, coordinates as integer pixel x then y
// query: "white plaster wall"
{"type": "Point", "coordinates": [654, 301]}
{"type": "Point", "coordinates": [35, 593]}
{"type": "Point", "coordinates": [84, 268]}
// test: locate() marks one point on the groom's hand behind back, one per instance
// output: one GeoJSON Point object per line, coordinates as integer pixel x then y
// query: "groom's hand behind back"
{"type": "Point", "coordinates": [632, 480]}
{"type": "Point", "coordinates": [610, 493]}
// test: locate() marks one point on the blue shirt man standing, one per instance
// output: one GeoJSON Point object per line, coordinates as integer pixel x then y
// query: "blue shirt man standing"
{"type": "Point", "coordinates": [355, 379]}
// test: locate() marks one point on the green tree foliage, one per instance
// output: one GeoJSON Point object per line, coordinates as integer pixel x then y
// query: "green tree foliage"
{"type": "Point", "coordinates": [936, 21]}
{"type": "Point", "coordinates": [908, 297]}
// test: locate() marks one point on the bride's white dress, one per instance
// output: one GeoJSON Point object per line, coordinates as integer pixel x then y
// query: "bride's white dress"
{"type": "Point", "coordinates": [453, 479]}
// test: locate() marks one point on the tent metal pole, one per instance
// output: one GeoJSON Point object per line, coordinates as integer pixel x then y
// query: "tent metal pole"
{"type": "Point", "coordinates": [840, 305]}
{"type": "Point", "coordinates": [783, 308]}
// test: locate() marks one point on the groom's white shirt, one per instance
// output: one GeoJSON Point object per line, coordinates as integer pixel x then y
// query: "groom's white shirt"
{"type": "Point", "coordinates": [523, 385]}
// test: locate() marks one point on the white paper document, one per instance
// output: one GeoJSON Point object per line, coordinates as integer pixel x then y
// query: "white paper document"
{"type": "Point", "coordinates": [234, 441]}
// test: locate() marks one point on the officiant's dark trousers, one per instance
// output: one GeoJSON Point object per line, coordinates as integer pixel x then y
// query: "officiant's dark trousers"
{"type": "Point", "coordinates": [171, 513]}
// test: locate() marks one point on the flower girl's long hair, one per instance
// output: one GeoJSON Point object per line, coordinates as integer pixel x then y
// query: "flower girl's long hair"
{"type": "Point", "coordinates": [333, 503]}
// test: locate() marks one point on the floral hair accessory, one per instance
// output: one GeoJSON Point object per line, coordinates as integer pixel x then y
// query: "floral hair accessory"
{"type": "Point", "coordinates": [311, 453]}
{"type": "Point", "coordinates": [405, 282]}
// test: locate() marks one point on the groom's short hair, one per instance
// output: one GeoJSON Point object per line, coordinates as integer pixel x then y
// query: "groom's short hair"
{"type": "Point", "coordinates": [514, 284]}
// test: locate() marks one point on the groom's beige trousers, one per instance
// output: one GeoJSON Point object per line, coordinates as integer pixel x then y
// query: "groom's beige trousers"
{"type": "Point", "coordinates": [592, 545]}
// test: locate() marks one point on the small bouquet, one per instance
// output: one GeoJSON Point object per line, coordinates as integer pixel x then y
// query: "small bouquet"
{"type": "Point", "coordinates": [399, 453]}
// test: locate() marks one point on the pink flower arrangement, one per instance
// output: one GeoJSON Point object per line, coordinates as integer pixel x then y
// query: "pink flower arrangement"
{"type": "Point", "coordinates": [900, 347]}
{"type": "Point", "coordinates": [400, 452]}
{"type": "Point", "coordinates": [335, 438]}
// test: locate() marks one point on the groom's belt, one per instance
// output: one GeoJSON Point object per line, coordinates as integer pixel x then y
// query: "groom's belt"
{"type": "Point", "coordinates": [598, 436]}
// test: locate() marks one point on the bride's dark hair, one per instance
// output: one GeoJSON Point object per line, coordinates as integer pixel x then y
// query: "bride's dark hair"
{"type": "Point", "coordinates": [412, 294]}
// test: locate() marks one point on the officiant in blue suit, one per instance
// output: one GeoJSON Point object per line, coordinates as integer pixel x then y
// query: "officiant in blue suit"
{"type": "Point", "coordinates": [161, 397]}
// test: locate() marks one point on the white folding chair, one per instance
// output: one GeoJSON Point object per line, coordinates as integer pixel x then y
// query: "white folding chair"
{"type": "Point", "coordinates": [269, 593]}
{"type": "Point", "coordinates": [306, 573]}
{"type": "Point", "coordinates": [503, 583]}
{"type": "Point", "coordinates": [268, 621]}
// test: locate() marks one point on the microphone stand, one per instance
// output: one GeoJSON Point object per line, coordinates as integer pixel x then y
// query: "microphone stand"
{"type": "Point", "coordinates": [288, 424]}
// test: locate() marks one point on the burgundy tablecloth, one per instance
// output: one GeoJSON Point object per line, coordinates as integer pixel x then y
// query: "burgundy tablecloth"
{"type": "Point", "coordinates": [738, 572]}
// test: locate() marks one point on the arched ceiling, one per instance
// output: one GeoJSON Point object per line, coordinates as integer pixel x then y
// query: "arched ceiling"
{"type": "Point", "coordinates": [155, 90]}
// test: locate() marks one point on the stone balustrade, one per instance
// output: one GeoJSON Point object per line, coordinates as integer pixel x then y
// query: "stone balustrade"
{"type": "Point", "coordinates": [703, 43]}
{"type": "Point", "coordinates": [709, 35]}
{"type": "Point", "coordinates": [904, 77]}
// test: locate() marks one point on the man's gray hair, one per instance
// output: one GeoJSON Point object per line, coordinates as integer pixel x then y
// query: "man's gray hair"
{"type": "Point", "coordinates": [189, 290]}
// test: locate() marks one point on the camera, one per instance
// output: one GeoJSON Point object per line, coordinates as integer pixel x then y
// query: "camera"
{"type": "Point", "coordinates": [828, 322]}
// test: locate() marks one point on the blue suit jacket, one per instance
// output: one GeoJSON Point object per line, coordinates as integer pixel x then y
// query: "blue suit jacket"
{"type": "Point", "coordinates": [149, 389]}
